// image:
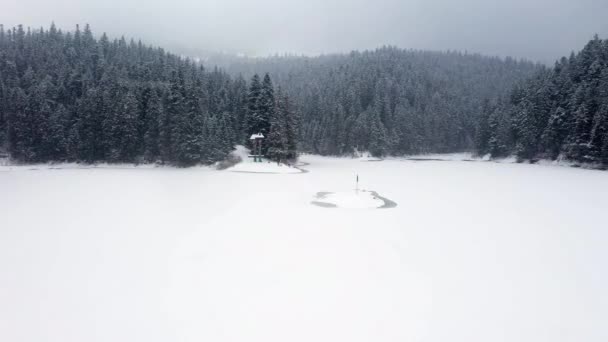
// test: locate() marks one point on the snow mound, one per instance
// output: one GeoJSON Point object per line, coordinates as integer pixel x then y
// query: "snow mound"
{"type": "Point", "coordinates": [361, 199]}
{"type": "Point", "coordinates": [264, 167]}
{"type": "Point", "coordinates": [364, 156]}
{"type": "Point", "coordinates": [238, 155]}
{"type": "Point", "coordinates": [240, 151]}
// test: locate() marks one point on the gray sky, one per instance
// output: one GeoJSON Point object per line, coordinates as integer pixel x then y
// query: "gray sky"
{"type": "Point", "coordinates": [541, 30]}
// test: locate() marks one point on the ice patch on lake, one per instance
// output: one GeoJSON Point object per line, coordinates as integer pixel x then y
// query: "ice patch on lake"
{"type": "Point", "coordinates": [361, 199]}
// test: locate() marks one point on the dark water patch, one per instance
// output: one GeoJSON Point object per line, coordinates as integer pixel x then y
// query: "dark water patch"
{"type": "Point", "coordinates": [388, 204]}
{"type": "Point", "coordinates": [301, 169]}
{"type": "Point", "coordinates": [323, 204]}
{"type": "Point", "coordinates": [322, 194]}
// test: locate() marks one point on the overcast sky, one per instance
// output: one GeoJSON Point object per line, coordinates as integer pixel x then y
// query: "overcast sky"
{"type": "Point", "coordinates": [540, 30]}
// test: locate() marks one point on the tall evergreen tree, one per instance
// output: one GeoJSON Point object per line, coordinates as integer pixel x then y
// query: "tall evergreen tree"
{"type": "Point", "coordinates": [154, 118]}
{"type": "Point", "coordinates": [267, 104]}
{"type": "Point", "coordinates": [255, 117]}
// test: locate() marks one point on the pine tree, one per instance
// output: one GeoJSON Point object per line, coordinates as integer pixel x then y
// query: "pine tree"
{"type": "Point", "coordinates": [494, 144]}
{"type": "Point", "coordinates": [127, 128]}
{"type": "Point", "coordinates": [378, 140]}
{"type": "Point", "coordinates": [54, 144]}
{"type": "Point", "coordinates": [175, 108]}
{"type": "Point", "coordinates": [95, 126]}
{"type": "Point", "coordinates": [266, 111]}
{"type": "Point", "coordinates": [255, 117]}
{"type": "Point", "coordinates": [155, 113]}
{"type": "Point", "coordinates": [276, 140]}
{"type": "Point", "coordinates": [579, 137]}
{"type": "Point", "coordinates": [18, 126]}
{"type": "Point", "coordinates": [3, 109]}
{"type": "Point", "coordinates": [188, 133]}
{"type": "Point", "coordinates": [524, 126]}
{"type": "Point", "coordinates": [599, 133]}
{"type": "Point", "coordinates": [482, 130]}
{"type": "Point", "coordinates": [267, 104]}
{"type": "Point", "coordinates": [291, 128]}
{"type": "Point", "coordinates": [555, 133]}
{"type": "Point", "coordinates": [604, 153]}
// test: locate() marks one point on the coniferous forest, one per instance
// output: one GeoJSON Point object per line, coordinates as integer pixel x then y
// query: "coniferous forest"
{"type": "Point", "coordinates": [388, 101]}
{"type": "Point", "coordinates": [70, 96]}
{"type": "Point", "coordinates": [561, 111]}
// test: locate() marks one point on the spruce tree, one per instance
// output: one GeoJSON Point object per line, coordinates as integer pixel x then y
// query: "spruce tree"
{"type": "Point", "coordinates": [255, 117]}
{"type": "Point", "coordinates": [3, 112]}
{"type": "Point", "coordinates": [599, 133]}
{"type": "Point", "coordinates": [267, 104]}
{"type": "Point", "coordinates": [482, 130]}
{"type": "Point", "coordinates": [55, 139]}
{"type": "Point", "coordinates": [555, 133]}
{"type": "Point", "coordinates": [127, 128]}
{"type": "Point", "coordinates": [378, 139]}
{"type": "Point", "coordinates": [155, 114]}
{"type": "Point", "coordinates": [291, 128]}
{"type": "Point", "coordinates": [18, 126]}
{"type": "Point", "coordinates": [189, 147]}
{"type": "Point", "coordinates": [276, 140]}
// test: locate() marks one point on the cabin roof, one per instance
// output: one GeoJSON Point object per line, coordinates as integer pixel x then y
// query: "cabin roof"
{"type": "Point", "coordinates": [256, 136]}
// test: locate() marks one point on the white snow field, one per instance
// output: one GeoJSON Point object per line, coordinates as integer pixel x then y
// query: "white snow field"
{"type": "Point", "coordinates": [263, 167]}
{"type": "Point", "coordinates": [474, 252]}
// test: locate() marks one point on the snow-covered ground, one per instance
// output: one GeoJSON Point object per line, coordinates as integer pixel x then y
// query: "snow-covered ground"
{"type": "Point", "coordinates": [248, 164]}
{"type": "Point", "coordinates": [351, 199]}
{"type": "Point", "coordinates": [264, 167]}
{"type": "Point", "coordinates": [473, 252]}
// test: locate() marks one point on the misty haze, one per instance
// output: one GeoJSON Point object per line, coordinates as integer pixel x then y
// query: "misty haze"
{"type": "Point", "coordinates": [273, 170]}
{"type": "Point", "coordinates": [539, 30]}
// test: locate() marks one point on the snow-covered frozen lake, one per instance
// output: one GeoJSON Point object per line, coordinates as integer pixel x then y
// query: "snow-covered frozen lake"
{"type": "Point", "coordinates": [473, 252]}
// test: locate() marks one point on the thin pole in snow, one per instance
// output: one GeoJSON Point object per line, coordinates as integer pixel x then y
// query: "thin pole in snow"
{"type": "Point", "coordinates": [357, 184]}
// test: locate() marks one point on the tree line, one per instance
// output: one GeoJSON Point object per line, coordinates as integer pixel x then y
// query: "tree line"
{"type": "Point", "coordinates": [561, 112]}
{"type": "Point", "coordinates": [67, 96]}
{"type": "Point", "coordinates": [388, 101]}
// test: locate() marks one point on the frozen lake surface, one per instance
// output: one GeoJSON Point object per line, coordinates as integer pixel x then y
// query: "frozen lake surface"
{"type": "Point", "coordinates": [474, 252]}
